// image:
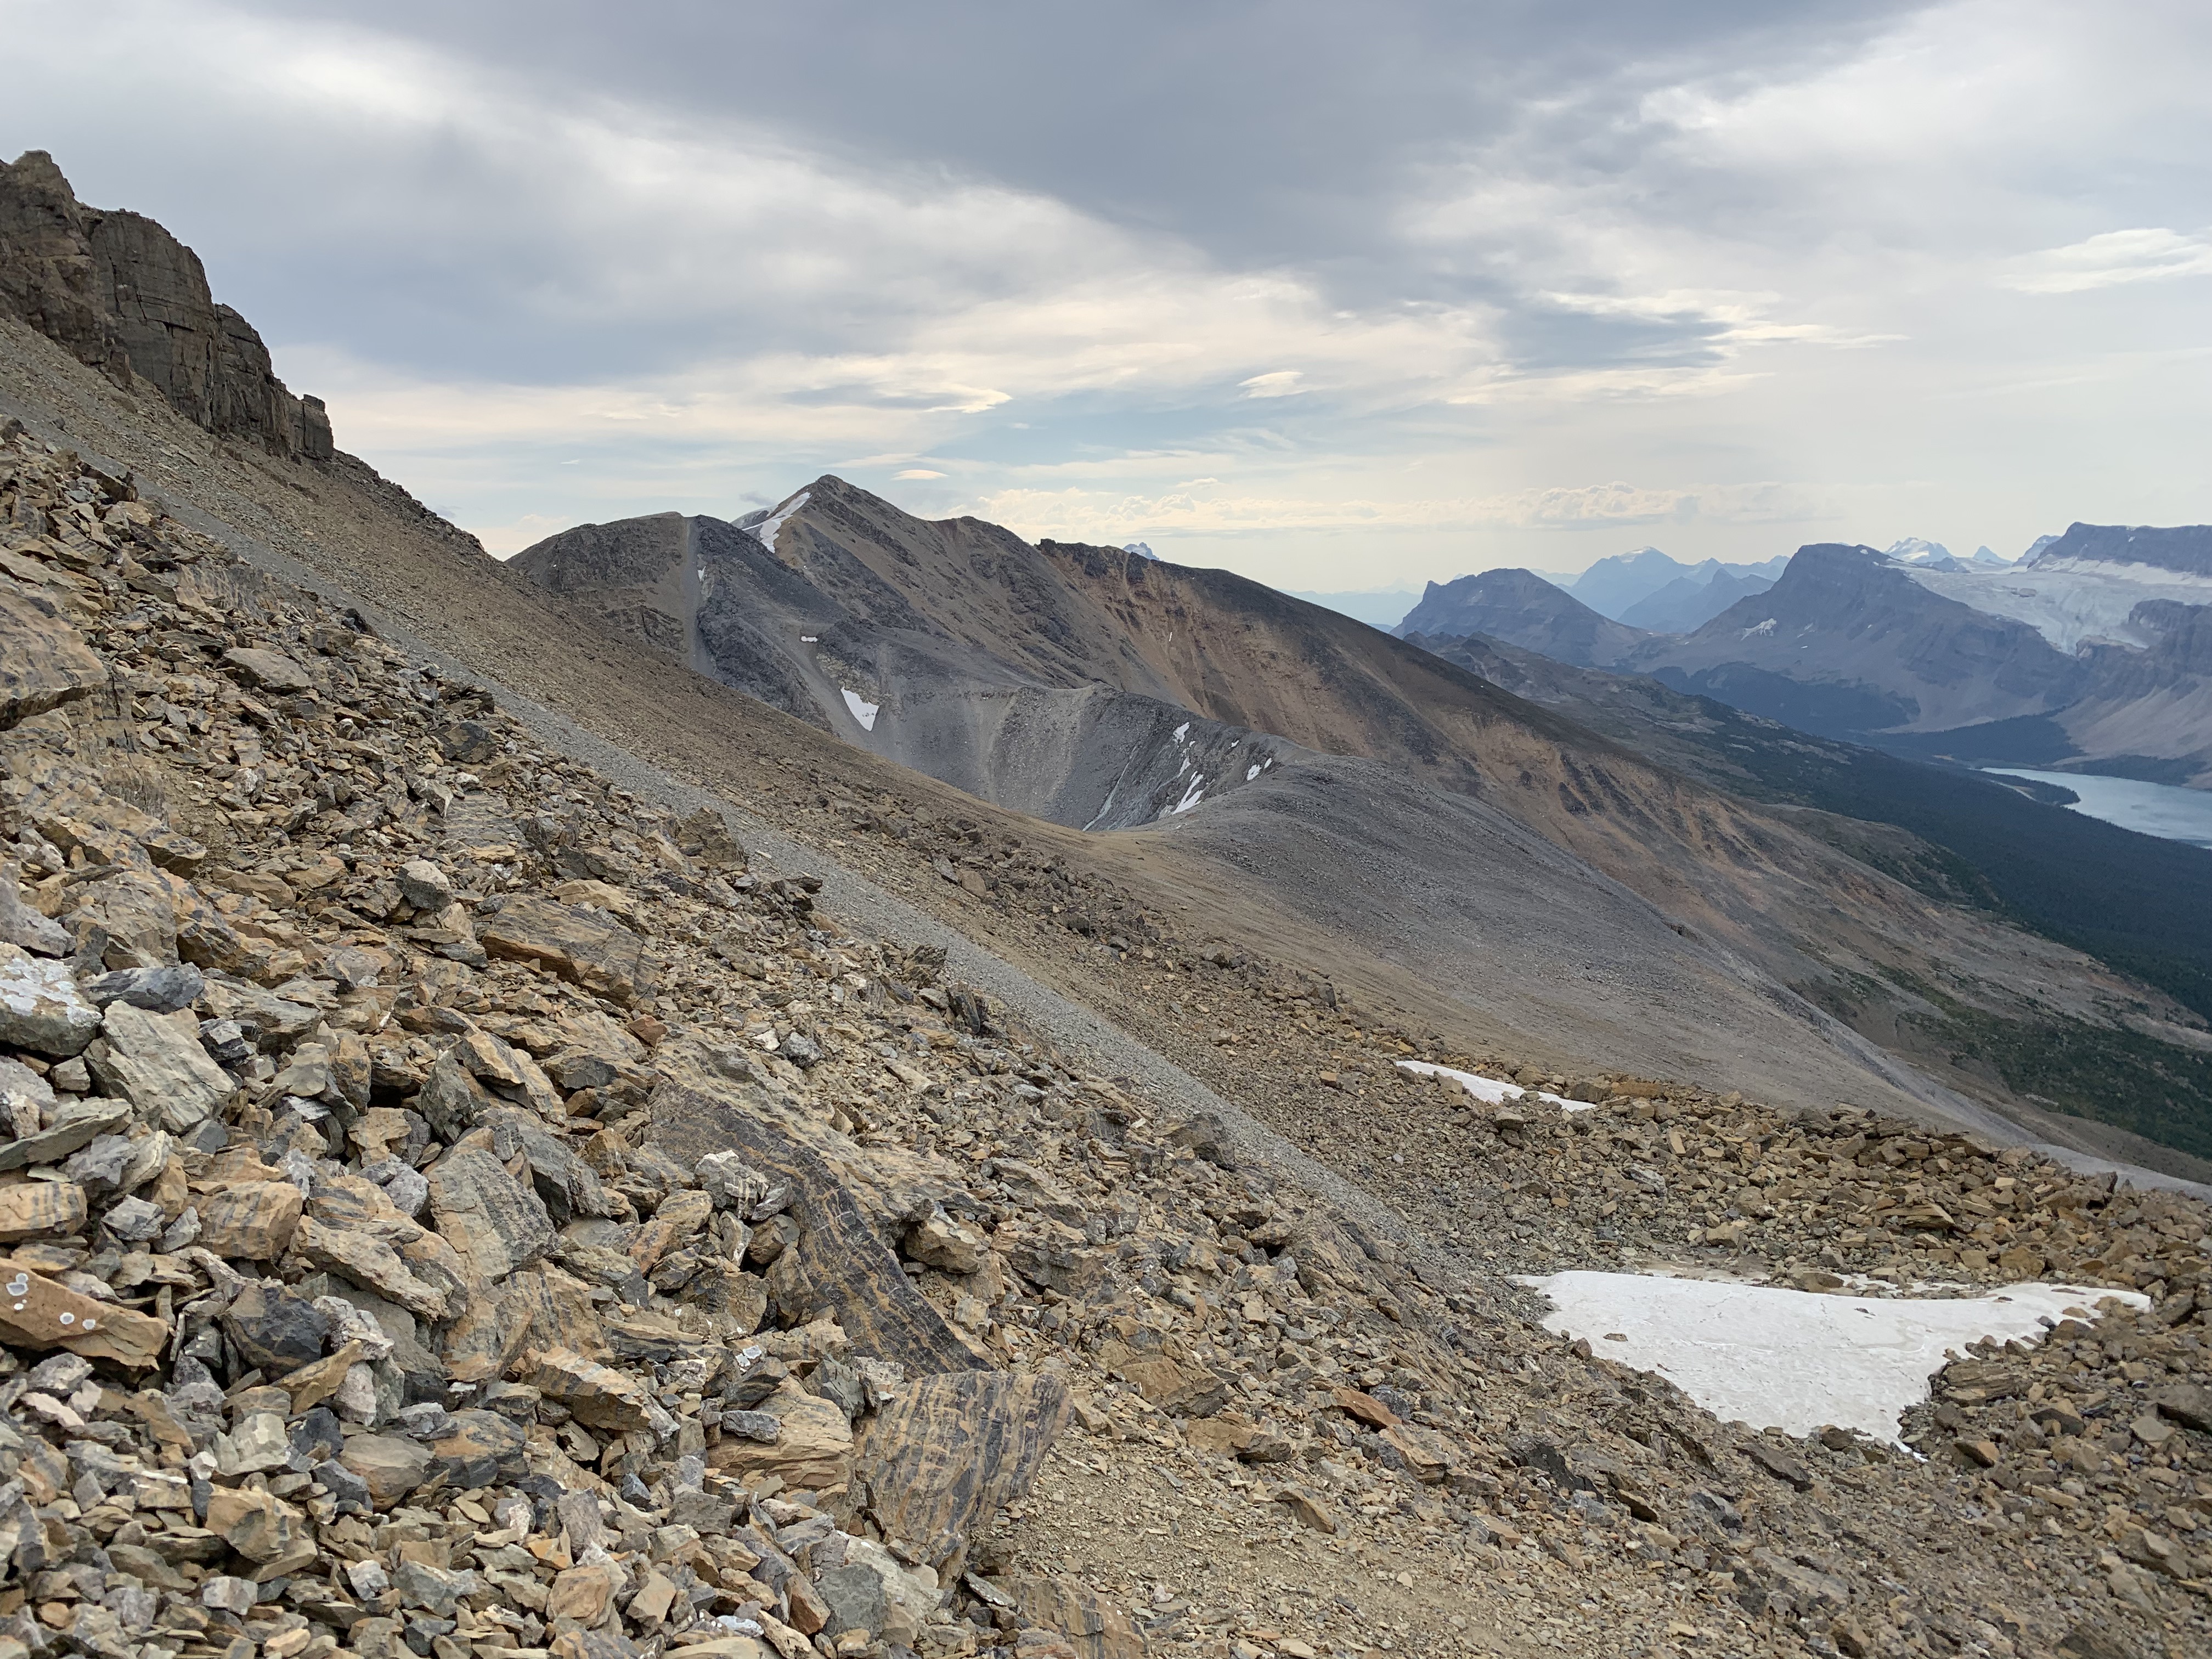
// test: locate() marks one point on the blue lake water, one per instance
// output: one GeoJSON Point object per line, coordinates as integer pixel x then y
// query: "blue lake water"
{"type": "Point", "coordinates": [2150, 808]}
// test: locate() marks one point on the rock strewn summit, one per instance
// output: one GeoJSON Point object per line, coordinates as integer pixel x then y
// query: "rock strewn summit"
{"type": "Point", "coordinates": [131, 300]}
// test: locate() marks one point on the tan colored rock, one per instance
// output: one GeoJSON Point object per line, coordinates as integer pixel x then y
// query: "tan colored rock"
{"type": "Point", "coordinates": [1429, 1455]}
{"type": "Point", "coordinates": [1307, 1509]}
{"type": "Point", "coordinates": [1365, 1407]}
{"type": "Point", "coordinates": [268, 671]}
{"type": "Point", "coordinates": [1226, 1436]}
{"type": "Point", "coordinates": [594, 1394]}
{"type": "Point", "coordinates": [495, 1223]}
{"type": "Point", "coordinates": [586, 947]}
{"type": "Point", "coordinates": [254, 1220]}
{"type": "Point", "coordinates": [554, 1310]}
{"type": "Point", "coordinates": [132, 908]}
{"type": "Point", "coordinates": [264, 1529]}
{"type": "Point", "coordinates": [488, 1335]}
{"type": "Point", "coordinates": [943, 1458]}
{"type": "Point", "coordinates": [36, 1312]}
{"type": "Point", "coordinates": [203, 937]}
{"type": "Point", "coordinates": [311, 1385]}
{"type": "Point", "coordinates": [377, 1131]}
{"type": "Point", "coordinates": [37, 1209]}
{"type": "Point", "coordinates": [44, 661]}
{"type": "Point", "coordinates": [938, 1241]}
{"type": "Point", "coordinates": [585, 1593]}
{"type": "Point", "coordinates": [809, 1612]}
{"type": "Point", "coordinates": [1178, 1389]}
{"type": "Point", "coordinates": [360, 1258]}
{"type": "Point", "coordinates": [679, 1219]}
{"type": "Point", "coordinates": [814, 1452]}
{"type": "Point", "coordinates": [1095, 1628]}
{"type": "Point", "coordinates": [392, 1465]}
{"type": "Point", "coordinates": [21, 924]}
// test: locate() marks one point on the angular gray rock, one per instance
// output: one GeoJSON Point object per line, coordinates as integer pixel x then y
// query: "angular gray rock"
{"type": "Point", "coordinates": [156, 1062]}
{"type": "Point", "coordinates": [40, 1007]}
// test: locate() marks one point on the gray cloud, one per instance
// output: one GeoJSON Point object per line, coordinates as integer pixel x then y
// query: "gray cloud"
{"type": "Point", "coordinates": [1863, 268]}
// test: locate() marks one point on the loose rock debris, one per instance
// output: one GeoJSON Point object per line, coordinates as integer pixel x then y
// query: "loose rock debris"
{"type": "Point", "coordinates": [451, 1205]}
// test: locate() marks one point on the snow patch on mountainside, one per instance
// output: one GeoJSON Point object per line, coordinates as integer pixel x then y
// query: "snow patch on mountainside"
{"type": "Point", "coordinates": [763, 526]}
{"type": "Point", "coordinates": [863, 710]}
{"type": "Point", "coordinates": [1797, 1360]}
{"type": "Point", "coordinates": [2070, 602]}
{"type": "Point", "coordinates": [1489, 1090]}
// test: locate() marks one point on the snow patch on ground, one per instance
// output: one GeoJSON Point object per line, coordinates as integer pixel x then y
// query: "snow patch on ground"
{"type": "Point", "coordinates": [764, 532]}
{"type": "Point", "coordinates": [863, 710]}
{"type": "Point", "coordinates": [1489, 1090]}
{"type": "Point", "coordinates": [1796, 1360]}
{"type": "Point", "coordinates": [1182, 731]}
{"type": "Point", "coordinates": [1250, 773]}
{"type": "Point", "coordinates": [809, 639]}
{"type": "Point", "coordinates": [1193, 795]}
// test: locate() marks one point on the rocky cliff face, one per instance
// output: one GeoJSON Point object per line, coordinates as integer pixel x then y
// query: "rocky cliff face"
{"type": "Point", "coordinates": [131, 300]}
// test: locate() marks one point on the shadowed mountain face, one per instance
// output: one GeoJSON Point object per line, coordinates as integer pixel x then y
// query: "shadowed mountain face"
{"type": "Point", "coordinates": [1847, 642]}
{"type": "Point", "coordinates": [2092, 652]}
{"type": "Point", "coordinates": [1103, 690]}
{"type": "Point", "coordinates": [1523, 609]}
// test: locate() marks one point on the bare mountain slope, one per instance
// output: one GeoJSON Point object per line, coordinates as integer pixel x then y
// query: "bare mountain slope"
{"type": "Point", "coordinates": [1184, 684]}
{"type": "Point", "coordinates": [342, 520]}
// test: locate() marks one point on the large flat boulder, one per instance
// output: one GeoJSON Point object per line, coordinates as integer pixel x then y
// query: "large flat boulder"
{"type": "Point", "coordinates": [44, 661]}
{"type": "Point", "coordinates": [847, 1268]}
{"type": "Point", "coordinates": [951, 1452]}
{"type": "Point", "coordinates": [587, 947]}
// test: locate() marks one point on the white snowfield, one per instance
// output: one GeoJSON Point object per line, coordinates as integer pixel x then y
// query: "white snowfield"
{"type": "Point", "coordinates": [2070, 601]}
{"type": "Point", "coordinates": [1489, 1090]}
{"type": "Point", "coordinates": [1797, 1360]}
{"type": "Point", "coordinates": [863, 710]}
{"type": "Point", "coordinates": [766, 531]}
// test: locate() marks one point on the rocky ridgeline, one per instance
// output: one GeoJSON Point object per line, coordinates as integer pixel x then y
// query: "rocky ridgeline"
{"type": "Point", "coordinates": [451, 1205]}
{"type": "Point", "coordinates": [129, 300]}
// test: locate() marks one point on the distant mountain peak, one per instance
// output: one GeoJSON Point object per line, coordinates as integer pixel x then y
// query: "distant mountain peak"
{"type": "Point", "coordinates": [1523, 609]}
{"type": "Point", "coordinates": [1142, 549]}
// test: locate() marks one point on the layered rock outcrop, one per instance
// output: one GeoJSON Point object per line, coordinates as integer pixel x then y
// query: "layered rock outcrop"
{"type": "Point", "coordinates": [131, 300]}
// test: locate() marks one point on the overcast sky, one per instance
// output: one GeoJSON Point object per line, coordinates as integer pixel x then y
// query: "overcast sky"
{"type": "Point", "coordinates": [1341, 296]}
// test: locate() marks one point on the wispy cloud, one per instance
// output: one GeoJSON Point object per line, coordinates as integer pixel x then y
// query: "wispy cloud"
{"type": "Point", "coordinates": [1095, 515]}
{"type": "Point", "coordinates": [2111, 259]}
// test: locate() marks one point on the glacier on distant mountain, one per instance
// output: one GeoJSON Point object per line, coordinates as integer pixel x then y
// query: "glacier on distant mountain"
{"type": "Point", "coordinates": [2082, 588]}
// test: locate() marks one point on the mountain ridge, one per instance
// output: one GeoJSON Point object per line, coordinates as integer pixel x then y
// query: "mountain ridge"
{"type": "Point", "coordinates": [1522, 606]}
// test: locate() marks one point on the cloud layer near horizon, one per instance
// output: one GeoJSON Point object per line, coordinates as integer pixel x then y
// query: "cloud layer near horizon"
{"type": "Point", "coordinates": [1339, 298]}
